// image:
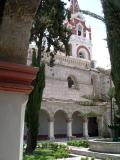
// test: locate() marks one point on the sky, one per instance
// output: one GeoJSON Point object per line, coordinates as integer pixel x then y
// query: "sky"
{"type": "Point", "coordinates": [99, 50]}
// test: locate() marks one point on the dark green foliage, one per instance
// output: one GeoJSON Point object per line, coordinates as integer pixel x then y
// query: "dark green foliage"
{"type": "Point", "coordinates": [48, 24]}
{"type": "Point", "coordinates": [34, 59]}
{"type": "Point", "coordinates": [79, 143]}
{"type": "Point", "coordinates": [49, 151]}
{"type": "Point", "coordinates": [33, 108]}
{"type": "Point", "coordinates": [47, 29]}
{"type": "Point", "coordinates": [111, 11]}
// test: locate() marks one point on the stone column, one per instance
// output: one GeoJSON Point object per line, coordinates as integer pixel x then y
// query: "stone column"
{"type": "Point", "coordinates": [85, 127]}
{"type": "Point", "coordinates": [12, 109]}
{"type": "Point", "coordinates": [69, 127]}
{"type": "Point", "coordinates": [51, 128]}
{"type": "Point", "coordinates": [15, 85]}
{"type": "Point", "coordinates": [100, 125]}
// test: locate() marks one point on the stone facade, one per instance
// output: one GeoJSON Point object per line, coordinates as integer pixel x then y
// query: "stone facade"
{"type": "Point", "coordinates": [67, 110]}
{"type": "Point", "coordinates": [60, 100]}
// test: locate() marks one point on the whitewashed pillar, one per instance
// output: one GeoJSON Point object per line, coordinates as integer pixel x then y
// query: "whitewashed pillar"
{"type": "Point", "coordinates": [69, 127]}
{"type": "Point", "coordinates": [74, 50]}
{"type": "Point", "coordinates": [51, 128]}
{"type": "Point", "coordinates": [85, 127]}
{"type": "Point", "coordinates": [15, 85]}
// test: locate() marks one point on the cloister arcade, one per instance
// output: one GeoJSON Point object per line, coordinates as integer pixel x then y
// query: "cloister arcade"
{"type": "Point", "coordinates": [62, 124]}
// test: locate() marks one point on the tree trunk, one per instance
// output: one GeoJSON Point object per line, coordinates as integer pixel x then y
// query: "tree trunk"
{"type": "Point", "coordinates": [15, 29]}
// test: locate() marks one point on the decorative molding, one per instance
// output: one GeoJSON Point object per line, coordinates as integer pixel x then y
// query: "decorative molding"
{"type": "Point", "coordinates": [16, 77]}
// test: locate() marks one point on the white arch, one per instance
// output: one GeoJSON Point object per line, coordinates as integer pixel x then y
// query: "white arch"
{"type": "Point", "coordinates": [60, 125]}
{"type": "Point", "coordinates": [84, 52]}
{"type": "Point", "coordinates": [77, 124]}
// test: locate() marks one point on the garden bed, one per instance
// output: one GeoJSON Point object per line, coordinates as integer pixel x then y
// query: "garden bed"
{"type": "Point", "coordinates": [78, 143]}
{"type": "Point", "coordinates": [49, 151]}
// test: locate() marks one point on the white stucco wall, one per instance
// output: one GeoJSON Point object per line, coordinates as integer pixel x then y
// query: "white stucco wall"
{"type": "Point", "coordinates": [60, 123]}
{"type": "Point", "coordinates": [62, 72]}
{"type": "Point", "coordinates": [12, 109]}
{"type": "Point", "coordinates": [77, 124]}
{"type": "Point", "coordinates": [58, 89]}
{"type": "Point", "coordinates": [43, 123]}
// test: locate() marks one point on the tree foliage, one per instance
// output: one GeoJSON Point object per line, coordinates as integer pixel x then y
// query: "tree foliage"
{"type": "Point", "coordinates": [111, 92]}
{"type": "Point", "coordinates": [111, 19]}
{"type": "Point", "coordinates": [33, 108]}
{"type": "Point", "coordinates": [111, 11]}
{"type": "Point", "coordinates": [48, 27]}
{"type": "Point", "coordinates": [48, 30]}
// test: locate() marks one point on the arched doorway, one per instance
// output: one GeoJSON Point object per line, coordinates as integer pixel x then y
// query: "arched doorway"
{"type": "Point", "coordinates": [60, 126]}
{"type": "Point", "coordinates": [92, 126]}
{"type": "Point", "coordinates": [77, 124]}
{"type": "Point", "coordinates": [43, 125]}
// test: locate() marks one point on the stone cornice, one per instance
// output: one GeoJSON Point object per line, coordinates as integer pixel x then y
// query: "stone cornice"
{"type": "Point", "coordinates": [16, 77]}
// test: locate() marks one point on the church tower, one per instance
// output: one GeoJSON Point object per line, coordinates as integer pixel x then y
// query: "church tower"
{"type": "Point", "coordinates": [80, 41]}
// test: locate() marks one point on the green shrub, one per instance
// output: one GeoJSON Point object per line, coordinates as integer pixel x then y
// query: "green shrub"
{"type": "Point", "coordinates": [29, 157]}
{"type": "Point", "coordinates": [108, 158]}
{"type": "Point", "coordinates": [49, 151]}
{"type": "Point", "coordinates": [54, 146]}
{"type": "Point", "coordinates": [62, 153]}
{"type": "Point", "coordinates": [79, 143]}
{"type": "Point", "coordinates": [86, 158]}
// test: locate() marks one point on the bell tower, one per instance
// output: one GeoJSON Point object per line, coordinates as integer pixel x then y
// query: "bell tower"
{"type": "Point", "coordinates": [80, 41]}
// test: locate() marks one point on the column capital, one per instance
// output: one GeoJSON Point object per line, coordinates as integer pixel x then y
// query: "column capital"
{"type": "Point", "coordinates": [85, 119]}
{"type": "Point", "coordinates": [68, 119]}
{"type": "Point", "coordinates": [51, 119]}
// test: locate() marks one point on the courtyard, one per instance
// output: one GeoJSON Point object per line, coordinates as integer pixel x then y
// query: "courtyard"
{"type": "Point", "coordinates": [77, 149]}
{"type": "Point", "coordinates": [59, 93]}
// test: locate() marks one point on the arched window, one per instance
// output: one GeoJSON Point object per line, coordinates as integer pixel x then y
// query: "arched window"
{"type": "Point", "coordinates": [81, 54]}
{"type": "Point", "coordinates": [79, 30]}
{"type": "Point", "coordinates": [92, 81]}
{"type": "Point", "coordinates": [70, 82]}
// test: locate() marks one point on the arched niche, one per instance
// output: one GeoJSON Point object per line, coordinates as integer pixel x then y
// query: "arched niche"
{"type": "Point", "coordinates": [77, 124]}
{"type": "Point", "coordinates": [60, 125]}
{"type": "Point", "coordinates": [83, 52]}
{"type": "Point", "coordinates": [72, 82]}
{"type": "Point", "coordinates": [92, 124]}
{"type": "Point", "coordinates": [43, 124]}
{"type": "Point", "coordinates": [79, 30]}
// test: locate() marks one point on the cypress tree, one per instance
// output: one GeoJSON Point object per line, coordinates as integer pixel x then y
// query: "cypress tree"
{"type": "Point", "coordinates": [33, 106]}
{"type": "Point", "coordinates": [111, 11]}
{"type": "Point", "coordinates": [47, 29]}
